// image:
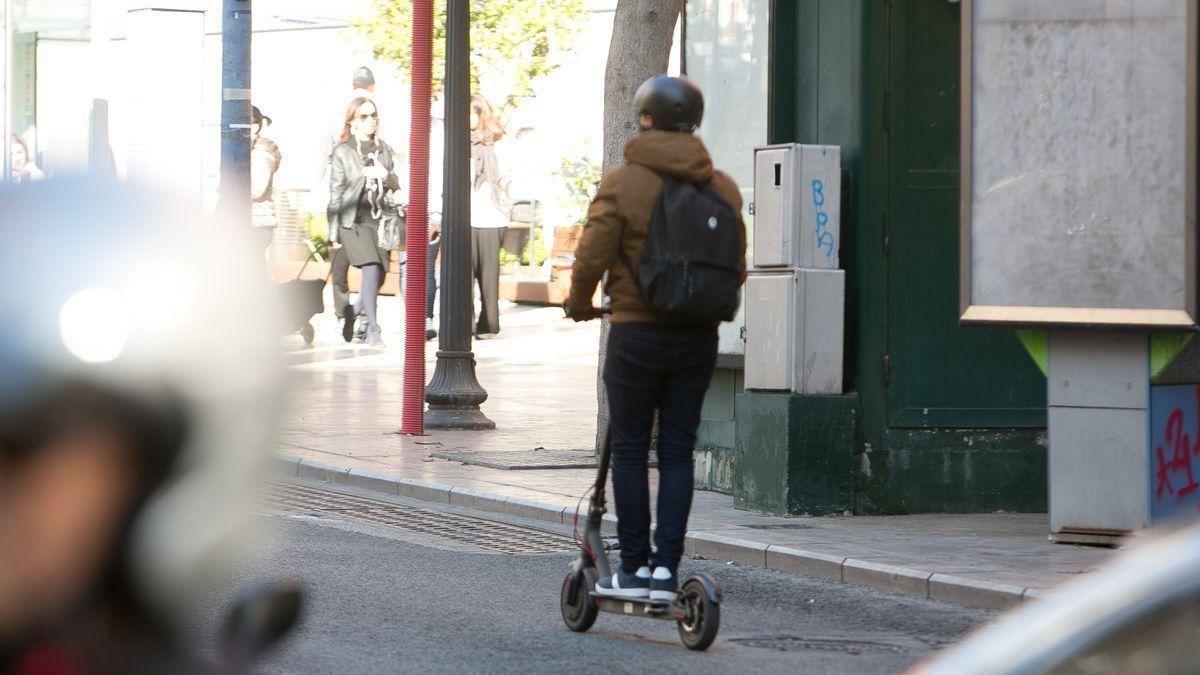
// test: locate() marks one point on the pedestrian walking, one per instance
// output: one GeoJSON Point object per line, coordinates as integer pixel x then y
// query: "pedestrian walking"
{"type": "Point", "coordinates": [21, 161]}
{"type": "Point", "coordinates": [665, 205]}
{"type": "Point", "coordinates": [264, 163]}
{"type": "Point", "coordinates": [435, 245]}
{"type": "Point", "coordinates": [362, 175]}
{"type": "Point", "coordinates": [436, 154]}
{"type": "Point", "coordinates": [489, 214]}
{"type": "Point", "coordinates": [362, 86]}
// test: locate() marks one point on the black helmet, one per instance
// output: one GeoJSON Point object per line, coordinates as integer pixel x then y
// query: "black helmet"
{"type": "Point", "coordinates": [674, 103]}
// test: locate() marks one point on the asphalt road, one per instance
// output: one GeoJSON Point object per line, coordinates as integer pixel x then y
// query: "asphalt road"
{"type": "Point", "coordinates": [384, 598]}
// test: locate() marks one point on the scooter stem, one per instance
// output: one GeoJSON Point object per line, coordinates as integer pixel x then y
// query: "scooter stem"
{"type": "Point", "coordinates": [592, 532]}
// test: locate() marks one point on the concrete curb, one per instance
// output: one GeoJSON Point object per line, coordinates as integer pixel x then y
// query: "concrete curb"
{"type": "Point", "coordinates": [729, 549]}
{"type": "Point", "coordinates": [898, 580]}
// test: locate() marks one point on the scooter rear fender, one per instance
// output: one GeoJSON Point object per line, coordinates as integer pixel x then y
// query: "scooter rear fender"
{"type": "Point", "coordinates": [711, 589]}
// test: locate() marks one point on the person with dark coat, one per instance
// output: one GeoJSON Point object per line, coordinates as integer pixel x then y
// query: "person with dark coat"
{"type": "Point", "coordinates": [436, 152]}
{"type": "Point", "coordinates": [362, 171]}
{"type": "Point", "coordinates": [363, 81]}
{"type": "Point", "coordinates": [651, 363]}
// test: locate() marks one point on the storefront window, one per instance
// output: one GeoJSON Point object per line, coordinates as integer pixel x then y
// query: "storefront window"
{"type": "Point", "coordinates": [48, 87]}
{"type": "Point", "coordinates": [727, 50]}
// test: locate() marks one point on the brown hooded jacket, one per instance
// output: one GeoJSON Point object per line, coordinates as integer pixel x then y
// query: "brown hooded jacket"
{"type": "Point", "coordinates": [620, 217]}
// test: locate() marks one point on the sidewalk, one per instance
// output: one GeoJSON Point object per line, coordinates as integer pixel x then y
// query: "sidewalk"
{"type": "Point", "coordinates": [344, 411]}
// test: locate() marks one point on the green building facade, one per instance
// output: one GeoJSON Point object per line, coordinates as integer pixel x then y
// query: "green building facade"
{"type": "Point", "coordinates": [936, 417]}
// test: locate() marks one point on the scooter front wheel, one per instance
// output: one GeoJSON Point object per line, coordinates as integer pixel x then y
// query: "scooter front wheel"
{"type": "Point", "coordinates": [698, 628]}
{"type": "Point", "coordinates": [578, 609]}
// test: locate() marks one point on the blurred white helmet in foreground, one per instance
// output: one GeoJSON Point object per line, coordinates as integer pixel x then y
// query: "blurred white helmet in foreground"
{"type": "Point", "coordinates": [111, 289]}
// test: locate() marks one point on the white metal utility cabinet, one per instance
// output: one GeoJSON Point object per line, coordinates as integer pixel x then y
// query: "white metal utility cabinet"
{"type": "Point", "coordinates": [795, 293]}
{"type": "Point", "coordinates": [793, 331]}
{"type": "Point", "coordinates": [797, 206]}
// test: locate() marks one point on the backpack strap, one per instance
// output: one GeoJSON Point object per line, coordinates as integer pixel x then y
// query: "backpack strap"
{"type": "Point", "coordinates": [637, 280]}
{"type": "Point", "coordinates": [625, 259]}
{"type": "Point", "coordinates": [666, 179]}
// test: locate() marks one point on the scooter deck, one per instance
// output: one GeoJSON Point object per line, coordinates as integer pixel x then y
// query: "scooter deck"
{"type": "Point", "coordinates": [667, 611]}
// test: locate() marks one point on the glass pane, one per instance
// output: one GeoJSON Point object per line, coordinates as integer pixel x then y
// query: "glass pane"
{"type": "Point", "coordinates": [51, 98]}
{"type": "Point", "coordinates": [1079, 166]}
{"type": "Point", "coordinates": [727, 51]}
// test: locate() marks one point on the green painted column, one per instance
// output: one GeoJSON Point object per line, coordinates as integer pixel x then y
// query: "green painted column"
{"type": "Point", "coordinates": [795, 454]}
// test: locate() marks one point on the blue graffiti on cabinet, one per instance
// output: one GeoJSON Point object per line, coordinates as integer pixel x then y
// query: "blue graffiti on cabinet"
{"type": "Point", "coordinates": [825, 238]}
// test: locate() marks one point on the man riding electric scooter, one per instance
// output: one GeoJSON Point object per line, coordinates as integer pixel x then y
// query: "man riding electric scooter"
{"type": "Point", "coordinates": [668, 230]}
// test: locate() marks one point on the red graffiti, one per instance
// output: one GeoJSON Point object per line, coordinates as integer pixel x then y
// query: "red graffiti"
{"type": "Point", "coordinates": [1181, 456]}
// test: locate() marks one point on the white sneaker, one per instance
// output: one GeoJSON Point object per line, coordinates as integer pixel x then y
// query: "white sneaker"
{"type": "Point", "coordinates": [622, 585]}
{"type": "Point", "coordinates": [663, 586]}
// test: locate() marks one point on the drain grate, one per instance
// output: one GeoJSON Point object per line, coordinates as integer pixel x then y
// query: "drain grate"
{"type": "Point", "coordinates": [781, 526]}
{"type": "Point", "coordinates": [795, 643]}
{"type": "Point", "coordinates": [486, 534]}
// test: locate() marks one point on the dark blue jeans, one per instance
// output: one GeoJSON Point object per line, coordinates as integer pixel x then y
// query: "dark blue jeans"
{"type": "Point", "coordinates": [431, 269]}
{"type": "Point", "coordinates": [668, 368]}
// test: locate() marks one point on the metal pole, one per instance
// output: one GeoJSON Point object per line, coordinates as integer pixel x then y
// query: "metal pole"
{"type": "Point", "coordinates": [413, 418]}
{"type": "Point", "coordinates": [7, 83]}
{"type": "Point", "coordinates": [454, 392]}
{"type": "Point", "coordinates": [234, 203]}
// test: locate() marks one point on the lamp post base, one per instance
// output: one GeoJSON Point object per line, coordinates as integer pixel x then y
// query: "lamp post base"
{"type": "Point", "coordinates": [454, 394]}
{"type": "Point", "coordinates": [457, 418]}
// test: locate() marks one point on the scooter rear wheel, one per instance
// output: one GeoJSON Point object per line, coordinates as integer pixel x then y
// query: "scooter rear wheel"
{"type": "Point", "coordinates": [578, 609]}
{"type": "Point", "coordinates": [699, 628]}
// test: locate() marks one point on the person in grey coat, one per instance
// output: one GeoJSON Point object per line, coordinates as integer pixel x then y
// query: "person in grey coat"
{"type": "Point", "coordinates": [362, 171]}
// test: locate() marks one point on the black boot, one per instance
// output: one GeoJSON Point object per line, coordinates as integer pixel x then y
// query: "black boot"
{"type": "Point", "coordinates": [348, 317]}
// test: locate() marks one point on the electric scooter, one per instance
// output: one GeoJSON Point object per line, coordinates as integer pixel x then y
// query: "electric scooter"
{"type": "Point", "coordinates": [696, 608]}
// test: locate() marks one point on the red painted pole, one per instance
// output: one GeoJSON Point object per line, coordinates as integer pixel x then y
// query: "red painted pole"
{"type": "Point", "coordinates": [417, 238]}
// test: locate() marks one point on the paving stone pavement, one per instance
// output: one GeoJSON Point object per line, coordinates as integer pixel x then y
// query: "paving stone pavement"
{"type": "Point", "coordinates": [343, 413]}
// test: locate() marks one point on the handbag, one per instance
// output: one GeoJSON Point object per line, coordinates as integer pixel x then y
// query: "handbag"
{"type": "Point", "coordinates": [392, 231]}
{"type": "Point", "coordinates": [393, 226]}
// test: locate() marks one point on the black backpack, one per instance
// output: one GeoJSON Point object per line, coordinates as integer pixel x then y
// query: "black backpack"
{"type": "Point", "coordinates": [691, 268]}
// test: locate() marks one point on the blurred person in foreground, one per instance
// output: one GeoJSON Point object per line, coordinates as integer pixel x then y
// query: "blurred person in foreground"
{"type": "Point", "coordinates": [129, 440]}
{"type": "Point", "coordinates": [24, 170]}
{"type": "Point", "coordinates": [362, 177]}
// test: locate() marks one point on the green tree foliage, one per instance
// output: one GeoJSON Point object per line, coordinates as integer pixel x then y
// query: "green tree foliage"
{"type": "Point", "coordinates": [581, 178]}
{"type": "Point", "coordinates": [513, 42]}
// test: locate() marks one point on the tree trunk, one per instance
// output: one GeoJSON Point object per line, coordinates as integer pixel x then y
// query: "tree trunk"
{"type": "Point", "coordinates": [640, 49]}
